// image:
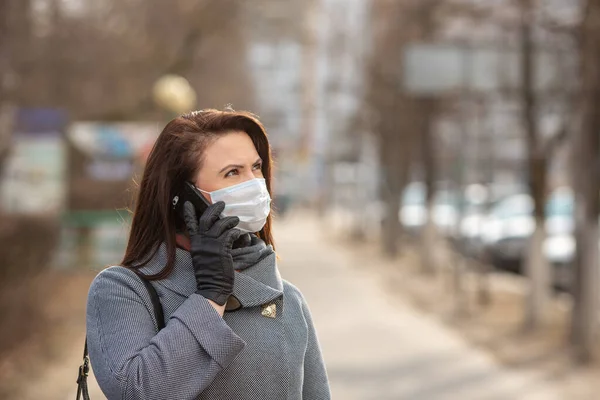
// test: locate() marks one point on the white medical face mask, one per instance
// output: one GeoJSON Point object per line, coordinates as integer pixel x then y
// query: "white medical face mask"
{"type": "Point", "coordinates": [249, 201]}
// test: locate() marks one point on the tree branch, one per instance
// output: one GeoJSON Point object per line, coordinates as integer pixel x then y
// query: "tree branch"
{"type": "Point", "coordinates": [215, 16]}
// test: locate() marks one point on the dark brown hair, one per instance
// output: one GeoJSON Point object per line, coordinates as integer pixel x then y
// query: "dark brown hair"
{"type": "Point", "coordinates": [176, 157]}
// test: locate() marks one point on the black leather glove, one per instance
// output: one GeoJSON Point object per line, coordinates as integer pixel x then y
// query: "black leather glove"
{"type": "Point", "coordinates": [211, 240]}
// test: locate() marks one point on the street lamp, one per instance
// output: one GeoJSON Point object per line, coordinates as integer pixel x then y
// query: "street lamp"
{"type": "Point", "coordinates": [174, 94]}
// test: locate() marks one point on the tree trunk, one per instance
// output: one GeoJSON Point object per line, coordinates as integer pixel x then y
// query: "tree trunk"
{"type": "Point", "coordinates": [586, 306]}
{"type": "Point", "coordinates": [586, 179]}
{"type": "Point", "coordinates": [460, 263]}
{"type": "Point", "coordinates": [425, 114]}
{"type": "Point", "coordinates": [536, 269]}
{"type": "Point", "coordinates": [391, 227]}
{"type": "Point", "coordinates": [395, 176]}
{"type": "Point", "coordinates": [485, 162]}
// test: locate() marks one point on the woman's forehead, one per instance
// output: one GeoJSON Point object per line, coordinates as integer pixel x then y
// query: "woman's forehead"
{"type": "Point", "coordinates": [230, 148]}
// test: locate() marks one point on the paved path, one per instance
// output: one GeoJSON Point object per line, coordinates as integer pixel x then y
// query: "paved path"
{"type": "Point", "coordinates": [380, 348]}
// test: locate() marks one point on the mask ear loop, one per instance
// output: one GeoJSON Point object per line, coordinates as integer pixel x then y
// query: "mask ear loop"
{"type": "Point", "coordinates": [205, 192]}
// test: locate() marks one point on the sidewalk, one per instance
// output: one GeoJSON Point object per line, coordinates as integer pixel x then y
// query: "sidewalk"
{"type": "Point", "coordinates": [375, 345]}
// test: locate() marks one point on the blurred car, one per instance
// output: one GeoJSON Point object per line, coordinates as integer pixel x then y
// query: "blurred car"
{"type": "Point", "coordinates": [501, 229]}
{"type": "Point", "coordinates": [509, 226]}
{"type": "Point", "coordinates": [413, 211]}
{"type": "Point", "coordinates": [467, 238]}
{"type": "Point", "coordinates": [507, 229]}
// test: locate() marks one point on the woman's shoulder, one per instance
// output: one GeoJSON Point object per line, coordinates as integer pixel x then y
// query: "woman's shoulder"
{"type": "Point", "coordinates": [116, 279]}
{"type": "Point", "coordinates": [115, 274]}
{"type": "Point", "coordinates": [292, 292]}
{"type": "Point", "coordinates": [294, 295]}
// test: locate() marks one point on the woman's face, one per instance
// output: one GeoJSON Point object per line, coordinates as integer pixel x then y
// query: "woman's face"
{"type": "Point", "coordinates": [229, 160]}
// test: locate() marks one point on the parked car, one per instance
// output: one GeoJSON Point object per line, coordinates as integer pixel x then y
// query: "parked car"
{"type": "Point", "coordinates": [413, 211]}
{"type": "Point", "coordinates": [509, 226]}
{"type": "Point", "coordinates": [507, 229]}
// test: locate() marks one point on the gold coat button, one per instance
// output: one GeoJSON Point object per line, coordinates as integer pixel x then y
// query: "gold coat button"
{"type": "Point", "coordinates": [269, 311]}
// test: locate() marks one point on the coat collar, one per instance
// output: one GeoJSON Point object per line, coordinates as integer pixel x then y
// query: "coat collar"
{"type": "Point", "coordinates": [254, 285]}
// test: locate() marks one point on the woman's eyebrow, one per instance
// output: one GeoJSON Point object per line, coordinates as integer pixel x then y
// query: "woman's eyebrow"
{"type": "Point", "coordinates": [231, 166]}
{"type": "Point", "coordinates": [238, 166]}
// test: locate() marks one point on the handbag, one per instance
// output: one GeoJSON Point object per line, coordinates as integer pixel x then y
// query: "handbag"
{"type": "Point", "coordinates": [84, 369]}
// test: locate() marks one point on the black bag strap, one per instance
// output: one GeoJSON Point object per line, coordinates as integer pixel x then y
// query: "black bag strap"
{"type": "Point", "coordinates": [84, 369]}
{"type": "Point", "coordinates": [158, 310]}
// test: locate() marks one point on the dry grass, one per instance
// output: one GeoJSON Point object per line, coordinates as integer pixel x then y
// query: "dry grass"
{"type": "Point", "coordinates": [27, 246]}
{"type": "Point", "coordinates": [44, 363]}
{"type": "Point", "coordinates": [42, 311]}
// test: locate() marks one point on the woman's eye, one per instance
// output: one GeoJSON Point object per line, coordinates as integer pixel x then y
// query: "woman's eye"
{"type": "Point", "coordinates": [232, 173]}
{"type": "Point", "coordinates": [257, 166]}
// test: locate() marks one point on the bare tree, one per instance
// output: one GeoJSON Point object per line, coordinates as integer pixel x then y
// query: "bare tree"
{"type": "Point", "coordinates": [389, 113]}
{"type": "Point", "coordinates": [587, 175]}
{"type": "Point", "coordinates": [403, 124]}
{"type": "Point", "coordinates": [100, 60]}
{"type": "Point", "coordinates": [425, 29]}
{"type": "Point", "coordinates": [537, 268]}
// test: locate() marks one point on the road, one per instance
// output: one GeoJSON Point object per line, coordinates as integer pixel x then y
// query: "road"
{"type": "Point", "coordinates": [375, 345]}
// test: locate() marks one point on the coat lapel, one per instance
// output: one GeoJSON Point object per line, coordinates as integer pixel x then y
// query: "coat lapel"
{"type": "Point", "coordinates": [259, 284]}
{"type": "Point", "coordinates": [255, 285]}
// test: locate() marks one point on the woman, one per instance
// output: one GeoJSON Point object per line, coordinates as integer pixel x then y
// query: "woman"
{"type": "Point", "coordinates": [233, 328]}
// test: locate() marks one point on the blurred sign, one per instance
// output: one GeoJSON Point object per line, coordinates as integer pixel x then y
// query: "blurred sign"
{"type": "Point", "coordinates": [34, 176]}
{"type": "Point", "coordinates": [113, 140]}
{"type": "Point", "coordinates": [437, 69]}
{"type": "Point", "coordinates": [111, 149]}
{"type": "Point", "coordinates": [103, 159]}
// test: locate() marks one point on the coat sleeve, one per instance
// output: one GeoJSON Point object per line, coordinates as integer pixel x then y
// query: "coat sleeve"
{"type": "Point", "coordinates": [316, 383]}
{"type": "Point", "coordinates": [131, 361]}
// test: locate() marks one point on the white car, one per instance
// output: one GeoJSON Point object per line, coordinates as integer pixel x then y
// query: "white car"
{"type": "Point", "coordinates": [510, 224]}
{"type": "Point", "coordinates": [413, 212]}
{"type": "Point", "coordinates": [507, 230]}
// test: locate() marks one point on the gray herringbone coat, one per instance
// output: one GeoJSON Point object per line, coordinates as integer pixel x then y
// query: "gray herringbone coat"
{"type": "Point", "coordinates": [199, 354]}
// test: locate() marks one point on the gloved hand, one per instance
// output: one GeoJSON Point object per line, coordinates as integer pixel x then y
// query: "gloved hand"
{"type": "Point", "coordinates": [211, 240]}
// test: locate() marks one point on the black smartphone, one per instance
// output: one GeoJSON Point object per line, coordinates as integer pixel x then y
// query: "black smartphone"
{"type": "Point", "coordinates": [194, 196]}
